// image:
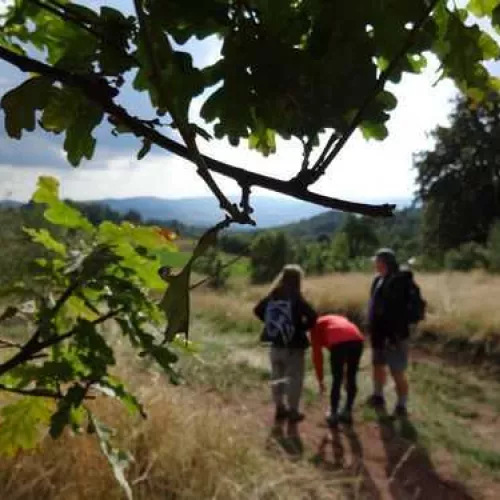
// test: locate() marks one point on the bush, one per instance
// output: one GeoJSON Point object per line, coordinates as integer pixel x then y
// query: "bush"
{"type": "Point", "coordinates": [494, 248]}
{"type": "Point", "coordinates": [466, 257]}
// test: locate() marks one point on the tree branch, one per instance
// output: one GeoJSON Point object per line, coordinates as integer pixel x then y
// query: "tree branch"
{"type": "Point", "coordinates": [187, 135]}
{"type": "Point", "coordinates": [99, 92]}
{"type": "Point", "coordinates": [325, 159]}
{"type": "Point", "coordinates": [31, 349]}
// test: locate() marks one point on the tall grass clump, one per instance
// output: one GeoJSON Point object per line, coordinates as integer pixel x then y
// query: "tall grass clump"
{"type": "Point", "coordinates": [189, 448]}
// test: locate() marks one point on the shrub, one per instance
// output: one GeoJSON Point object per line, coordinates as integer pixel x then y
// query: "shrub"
{"type": "Point", "coordinates": [466, 257]}
{"type": "Point", "coordinates": [268, 254]}
{"type": "Point", "coordinates": [494, 248]}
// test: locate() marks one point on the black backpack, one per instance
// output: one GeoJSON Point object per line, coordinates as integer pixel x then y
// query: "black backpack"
{"type": "Point", "coordinates": [416, 304]}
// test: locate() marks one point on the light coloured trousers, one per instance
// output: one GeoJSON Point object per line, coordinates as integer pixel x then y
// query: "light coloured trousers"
{"type": "Point", "coordinates": [287, 375]}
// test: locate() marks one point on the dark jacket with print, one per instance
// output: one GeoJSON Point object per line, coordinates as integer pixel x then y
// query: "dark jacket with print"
{"type": "Point", "coordinates": [304, 318]}
{"type": "Point", "coordinates": [388, 315]}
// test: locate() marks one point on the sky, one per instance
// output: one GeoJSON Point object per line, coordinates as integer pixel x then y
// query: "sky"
{"type": "Point", "coordinates": [364, 171]}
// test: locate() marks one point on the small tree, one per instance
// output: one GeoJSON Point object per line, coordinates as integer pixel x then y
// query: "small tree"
{"type": "Point", "coordinates": [340, 252]}
{"type": "Point", "coordinates": [269, 252]}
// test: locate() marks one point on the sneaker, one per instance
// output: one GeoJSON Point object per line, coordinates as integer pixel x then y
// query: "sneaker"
{"type": "Point", "coordinates": [376, 401]}
{"type": "Point", "coordinates": [281, 414]}
{"type": "Point", "coordinates": [400, 412]}
{"type": "Point", "coordinates": [294, 417]}
{"type": "Point", "coordinates": [332, 421]}
{"type": "Point", "coordinates": [345, 417]}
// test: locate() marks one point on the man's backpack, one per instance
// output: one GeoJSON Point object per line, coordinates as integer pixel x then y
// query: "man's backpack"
{"type": "Point", "coordinates": [416, 304]}
{"type": "Point", "coordinates": [278, 321]}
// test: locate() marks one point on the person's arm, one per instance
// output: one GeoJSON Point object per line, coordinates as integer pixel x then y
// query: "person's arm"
{"type": "Point", "coordinates": [317, 357]}
{"type": "Point", "coordinates": [309, 314]}
{"type": "Point", "coordinates": [260, 309]}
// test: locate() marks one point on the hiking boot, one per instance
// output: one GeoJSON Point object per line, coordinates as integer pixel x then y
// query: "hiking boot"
{"type": "Point", "coordinates": [376, 401]}
{"type": "Point", "coordinates": [294, 417]}
{"type": "Point", "coordinates": [345, 418]}
{"type": "Point", "coordinates": [281, 414]}
{"type": "Point", "coordinates": [400, 412]}
{"type": "Point", "coordinates": [332, 421]}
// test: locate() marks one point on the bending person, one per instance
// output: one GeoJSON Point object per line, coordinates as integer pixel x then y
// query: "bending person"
{"type": "Point", "coordinates": [345, 343]}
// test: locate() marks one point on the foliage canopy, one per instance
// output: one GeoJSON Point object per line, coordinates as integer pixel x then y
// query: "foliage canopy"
{"type": "Point", "coordinates": [287, 67]}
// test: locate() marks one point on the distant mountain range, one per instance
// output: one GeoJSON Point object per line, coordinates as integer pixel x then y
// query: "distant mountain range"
{"type": "Point", "coordinates": [203, 212]}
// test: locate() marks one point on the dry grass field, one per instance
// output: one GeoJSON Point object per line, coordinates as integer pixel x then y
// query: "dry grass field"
{"type": "Point", "coordinates": [207, 438]}
{"type": "Point", "coordinates": [460, 305]}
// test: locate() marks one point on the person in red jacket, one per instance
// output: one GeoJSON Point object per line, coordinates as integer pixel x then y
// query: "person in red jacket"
{"type": "Point", "coordinates": [345, 343]}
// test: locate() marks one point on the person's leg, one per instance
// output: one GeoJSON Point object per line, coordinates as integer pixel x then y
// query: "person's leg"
{"type": "Point", "coordinates": [337, 362]}
{"type": "Point", "coordinates": [278, 383]}
{"type": "Point", "coordinates": [294, 371]}
{"type": "Point", "coordinates": [398, 364]}
{"type": "Point", "coordinates": [379, 376]}
{"type": "Point", "coordinates": [353, 359]}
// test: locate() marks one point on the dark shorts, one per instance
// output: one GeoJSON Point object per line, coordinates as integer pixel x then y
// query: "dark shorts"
{"type": "Point", "coordinates": [394, 356]}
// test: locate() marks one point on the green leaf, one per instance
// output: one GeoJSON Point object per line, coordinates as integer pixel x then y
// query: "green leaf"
{"type": "Point", "coordinates": [60, 110]}
{"type": "Point", "coordinates": [47, 190]}
{"type": "Point", "coordinates": [482, 8]}
{"type": "Point", "coordinates": [20, 105]}
{"type": "Point", "coordinates": [62, 214]}
{"type": "Point", "coordinates": [44, 238]}
{"type": "Point", "coordinates": [75, 307]}
{"type": "Point", "coordinates": [147, 237]}
{"type": "Point", "coordinates": [489, 46]}
{"type": "Point", "coordinates": [79, 141]}
{"type": "Point", "coordinates": [118, 459]}
{"type": "Point", "coordinates": [115, 389]}
{"type": "Point", "coordinates": [65, 407]}
{"type": "Point", "coordinates": [374, 131]}
{"type": "Point", "coordinates": [58, 212]}
{"type": "Point", "coordinates": [20, 423]}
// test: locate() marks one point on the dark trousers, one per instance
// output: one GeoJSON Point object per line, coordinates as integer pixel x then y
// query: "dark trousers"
{"type": "Point", "coordinates": [345, 357]}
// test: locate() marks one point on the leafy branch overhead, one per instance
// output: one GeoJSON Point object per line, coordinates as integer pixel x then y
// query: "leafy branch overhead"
{"type": "Point", "coordinates": [285, 68]}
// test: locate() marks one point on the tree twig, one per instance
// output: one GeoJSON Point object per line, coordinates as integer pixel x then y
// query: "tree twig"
{"type": "Point", "coordinates": [42, 393]}
{"type": "Point", "coordinates": [210, 278]}
{"type": "Point", "coordinates": [33, 347]}
{"type": "Point", "coordinates": [100, 93]}
{"type": "Point", "coordinates": [8, 344]}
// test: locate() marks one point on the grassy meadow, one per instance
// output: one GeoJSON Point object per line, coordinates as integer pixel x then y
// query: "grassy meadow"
{"type": "Point", "coordinates": [462, 307]}
{"type": "Point", "coordinates": [211, 436]}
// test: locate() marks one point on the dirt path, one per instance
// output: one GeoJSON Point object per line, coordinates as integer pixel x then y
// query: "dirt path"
{"type": "Point", "coordinates": [380, 464]}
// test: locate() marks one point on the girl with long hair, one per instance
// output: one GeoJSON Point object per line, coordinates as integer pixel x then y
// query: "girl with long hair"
{"type": "Point", "coordinates": [287, 317]}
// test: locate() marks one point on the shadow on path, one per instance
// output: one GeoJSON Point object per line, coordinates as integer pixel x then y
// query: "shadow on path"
{"type": "Point", "coordinates": [410, 472]}
{"type": "Point", "coordinates": [342, 451]}
{"type": "Point", "coordinates": [287, 437]}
